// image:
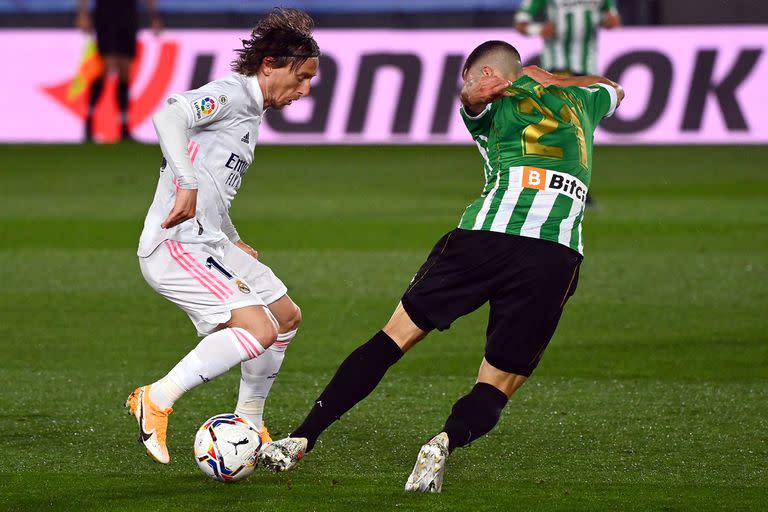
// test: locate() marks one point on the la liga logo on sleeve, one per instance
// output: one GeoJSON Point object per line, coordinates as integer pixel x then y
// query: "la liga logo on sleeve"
{"type": "Point", "coordinates": [204, 107]}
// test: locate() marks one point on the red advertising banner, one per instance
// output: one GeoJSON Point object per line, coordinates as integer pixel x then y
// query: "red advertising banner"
{"type": "Point", "coordinates": [684, 85]}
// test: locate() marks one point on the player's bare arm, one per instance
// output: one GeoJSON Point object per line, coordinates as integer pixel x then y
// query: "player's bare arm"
{"type": "Point", "coordinates": [546, 79]}
{"type": "Point", "coordinates": [525, 24]}
{"type": "Point", "coordinates": [544, 30]}
{"type": "Point", "coordinates": [477, 93]}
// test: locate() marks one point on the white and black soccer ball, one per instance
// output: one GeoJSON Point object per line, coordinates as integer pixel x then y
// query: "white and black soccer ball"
{"type": "Point", "coordinates": [227, 447]}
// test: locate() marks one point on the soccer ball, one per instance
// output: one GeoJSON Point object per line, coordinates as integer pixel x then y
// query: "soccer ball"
{"type": "Point", "coordinates": [226, 447]}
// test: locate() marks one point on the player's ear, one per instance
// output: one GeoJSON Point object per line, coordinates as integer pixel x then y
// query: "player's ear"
{"type": "Point", "coordinates": [267, 65]}
{"type": "Point", "coordinates": [487, 71]}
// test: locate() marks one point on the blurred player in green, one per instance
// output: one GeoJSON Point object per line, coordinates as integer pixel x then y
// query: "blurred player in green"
{"type": "Point", "coordinates": [518, 247]}
{"type": "Point", "coordinates": [569, 32]}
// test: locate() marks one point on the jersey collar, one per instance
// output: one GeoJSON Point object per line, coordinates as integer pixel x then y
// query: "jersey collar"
{"type": "Point", "coordinates": [255, 90]}
{"type": "Point", "coordinates": [525, 82]}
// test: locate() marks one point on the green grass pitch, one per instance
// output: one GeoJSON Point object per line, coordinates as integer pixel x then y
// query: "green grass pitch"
{"type": "Point", "coordinates": [652, 396]}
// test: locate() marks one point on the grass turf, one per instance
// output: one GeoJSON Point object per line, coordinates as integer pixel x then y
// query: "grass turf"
{"type": "Point", "coordinates": [652, 396]}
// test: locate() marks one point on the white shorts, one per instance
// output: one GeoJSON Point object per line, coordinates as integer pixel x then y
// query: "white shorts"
{"type": "Point", "coordinates": [209, 281]}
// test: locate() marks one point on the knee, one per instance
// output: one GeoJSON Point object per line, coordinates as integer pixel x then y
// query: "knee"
{"type": "Point", "coordinates": [265, 332]}
{"type": "Point", "coordinates": [261, 327]}
{"type": "Point", "coordinates": [292, 321]}
{"type": "Point", "coordinates": [403, 330]}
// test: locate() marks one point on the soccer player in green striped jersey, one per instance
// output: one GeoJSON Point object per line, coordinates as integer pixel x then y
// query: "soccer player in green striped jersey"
{"type": "Point", "coordinates": [569, 32]}
{"type": "Point", "coordinates": [536, 144]}
{"type": "Point", "coordinates": [518, 247]}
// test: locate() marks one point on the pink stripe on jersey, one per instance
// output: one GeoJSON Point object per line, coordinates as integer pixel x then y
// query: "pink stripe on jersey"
{"type": "Point", "coordinates": [176, 182]}
{"type": "Point", "coordinates": [192, 148]}
{"type": "Point", "coordinates": [245, 339]}
{"type": "Point", "coordinates": [281, 344]}
{"type": "Point", "coordinates": [204, 273]}
{"type": "Point", "coordinates": [194, 152]}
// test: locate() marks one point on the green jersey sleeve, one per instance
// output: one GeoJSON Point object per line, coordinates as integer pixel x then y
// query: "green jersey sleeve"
{"type": "Point", "coordinates": [600, 100]}
{"type": "Point", "coordinates": [608, 6]}
{"type": "Point", "coordinates": [529, 9]}
{"type": "Point", "coordinates": [481, 123]}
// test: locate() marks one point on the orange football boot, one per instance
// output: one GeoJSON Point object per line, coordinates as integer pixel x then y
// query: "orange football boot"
{"type": "Point", "coordinates": [153, 423]}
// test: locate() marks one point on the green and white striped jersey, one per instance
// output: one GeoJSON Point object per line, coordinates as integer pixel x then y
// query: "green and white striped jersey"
{"type": "Point", "coordinates": [574, 46]}
{"type": "Point", "coordinates": [537, 160]}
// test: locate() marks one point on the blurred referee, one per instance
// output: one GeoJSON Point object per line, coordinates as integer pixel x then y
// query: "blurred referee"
{"type": "Point", "coordinates": [116, 23]}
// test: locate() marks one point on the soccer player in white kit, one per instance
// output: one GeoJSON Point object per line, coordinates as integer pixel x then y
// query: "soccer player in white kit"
{"type": "Point", "coordinates": [189, 251]}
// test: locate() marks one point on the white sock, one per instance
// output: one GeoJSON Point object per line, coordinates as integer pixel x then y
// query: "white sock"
{"type": "Point", "coordinates": [214, 355]}
{"type": "Point", "coordinates": [165, 392]}
{"type": "Point", "coordinates": [257, 377]}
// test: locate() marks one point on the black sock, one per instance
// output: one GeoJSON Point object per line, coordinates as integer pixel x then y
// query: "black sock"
{"type": "Point", "coordinates": [96, 87]}
{"type": "Point", "coordinates": [122, 101]}
{"type": "Point", "coordinates": [474, 415]}
{"type": "Point", "coordinates": [356, 377]}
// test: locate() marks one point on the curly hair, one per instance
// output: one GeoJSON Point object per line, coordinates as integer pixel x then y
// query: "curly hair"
{"type": "Point", "coordinates": [285, 35]}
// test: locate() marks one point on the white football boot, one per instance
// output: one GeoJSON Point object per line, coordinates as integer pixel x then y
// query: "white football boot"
{"type": "Point", "coordinates": [429, 470]}
{"type": "Point", "coordinates": [283, 454]}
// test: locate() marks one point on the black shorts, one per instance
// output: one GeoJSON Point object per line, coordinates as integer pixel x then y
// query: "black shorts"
{"type": "Point", "coordinates": [527, 282]}
{"type": "Point", "coordinates": [116, 31]}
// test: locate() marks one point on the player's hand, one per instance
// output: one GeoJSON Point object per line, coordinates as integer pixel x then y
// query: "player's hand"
{"type": "Point", "coordinates": [547, 30]}
{"type": "Point", "coordinates": [545, 78]}
{"type": "Point", "coordinates": [248, 249]}
{"type": "Point", "coordinates": [83, 21]}
{"type": "Point", "coordinates": [611, 20]}
{"type": "Point", "coordinates": [183, 209]}
{"type": "Point", "coordinates": [477, 93]}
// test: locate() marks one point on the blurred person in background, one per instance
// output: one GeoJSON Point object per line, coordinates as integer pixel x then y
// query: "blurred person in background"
{"type": "Point", "coordinates": [116, 23]}
{"type": "Point", "coordinates": [569, 31]}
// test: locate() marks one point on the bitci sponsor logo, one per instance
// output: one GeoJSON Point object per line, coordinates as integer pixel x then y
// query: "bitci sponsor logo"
{"type": "Point", "coordinates": [560, 182]}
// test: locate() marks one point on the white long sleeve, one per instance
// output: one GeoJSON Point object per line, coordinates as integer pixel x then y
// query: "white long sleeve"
{"type": "Point", "coordinates": [228, 228]}
{"type": "Point", "coordinates": [207, 136]}
{"type": "Point", "coordinates": [171, 125]}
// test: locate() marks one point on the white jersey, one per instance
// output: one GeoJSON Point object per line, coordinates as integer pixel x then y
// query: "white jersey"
{"type": "Point", "coordinates": [223, 124]}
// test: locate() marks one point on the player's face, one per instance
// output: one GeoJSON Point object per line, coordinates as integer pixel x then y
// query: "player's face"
{"type": "Point", "coordinates": [288, 85]}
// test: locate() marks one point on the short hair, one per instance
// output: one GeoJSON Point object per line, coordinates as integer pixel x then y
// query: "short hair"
{"type": "Point", "coordinates": [486, 49]}
{"type": "Point", "coordinates": [285, 35]}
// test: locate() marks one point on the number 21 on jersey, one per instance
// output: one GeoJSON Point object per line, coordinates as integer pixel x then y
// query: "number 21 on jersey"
{"type": "Point", "coordinates": [532, 133]}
